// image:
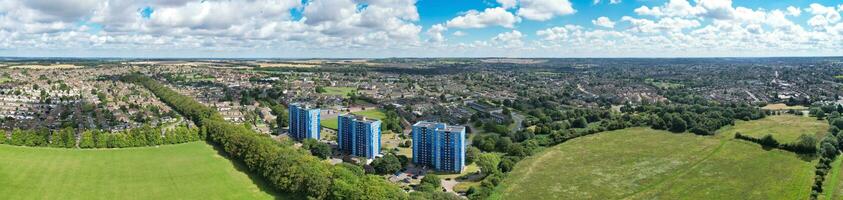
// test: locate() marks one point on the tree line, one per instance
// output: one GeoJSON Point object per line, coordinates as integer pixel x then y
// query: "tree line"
{"type": "Point", "coordinates": [805, 144]}
{"type": "Point", "coordinates": [828, 150]}
{"type": "Point", "coordinates": [67, 137]}
{"type": "Point", "coordinates": [286, 168]}
{"type": "Point", "coordinates": [701, 118]}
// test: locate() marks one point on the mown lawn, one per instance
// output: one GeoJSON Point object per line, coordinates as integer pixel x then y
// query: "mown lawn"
{"type": "Point", "coordinates": [330, 123]}
{"type": "Point", "coordinates": [371, 113]}
{"type": "Point", "coordinates": [785, 128]}
{"type": "Point", "coordinates": [184, 171]}
{"type": "Point", "coordinates": [642, 163]}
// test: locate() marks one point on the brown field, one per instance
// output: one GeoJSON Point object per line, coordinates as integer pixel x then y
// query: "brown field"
{"type": "Point", "coordinates": [57, 66]}
{"type": "Point", "coordinates": [781, 106]}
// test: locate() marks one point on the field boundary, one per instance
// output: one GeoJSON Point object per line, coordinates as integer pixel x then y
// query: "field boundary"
{"type": "Point", "coordinates": [828, 193]}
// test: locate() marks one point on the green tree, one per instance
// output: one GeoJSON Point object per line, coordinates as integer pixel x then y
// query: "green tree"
{"type": "Point", "coordinates": [471, 154]}
{"type": "Point", "coordinates": [807, 141]}
{"type": "Point", "coordinates": [488, 163]}
{"type": "Point", "coordinates": [430, 183]}
{"type": "Point", "coordinates": [678, 125]}
{"type": "Point", "coordinates": [579, 123]}
{"type": "Point", "coordinates": [506, 164]}
{"type": "Point", "coordinates": [87, 140]}
{"type": "Point", "coordinates": [828, 150]}
{"type": "Point", "coordinates": [387, 164]}
{"type": "Point", "coordinates": [317, 148]}
{"type": "Point", "coordinates": [281, 115]}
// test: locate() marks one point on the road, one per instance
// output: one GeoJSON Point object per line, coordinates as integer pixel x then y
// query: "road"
{"type": "Point", "coordinates": [518, 120]}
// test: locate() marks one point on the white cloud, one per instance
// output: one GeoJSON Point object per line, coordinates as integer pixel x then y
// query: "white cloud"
{"type": "Point", "coordinates": [604, 22]}
{"type": "Point", "coordinates": [559, 32]}
{"type": "Point", "coordinates": [793, 11]}
{"type": "Point", "coordinates": [489, 17]}
{"type": "Point", "coordinates": [672, 24]}
{"type": "Point", "coordinates": [673, 8]}
{"type": "Point", "coordinates": [349, 28]}
{"type": "Point", "coordinates": [543, 10]}
{"type": "Point", "coordinates": [717, 9]}
{"type": "Point", "coordinates": [435, 32]}
{"type": "Point", "coordinates": [610, 2]}
{"type": "Point", "coordinates": [210, 25]}
{"type": "Point", "coordinates": [509, 39]}
{"type": "Point", "coordinates": [507, 4]}
{"type": "Point", "coordinates": [823, 16]}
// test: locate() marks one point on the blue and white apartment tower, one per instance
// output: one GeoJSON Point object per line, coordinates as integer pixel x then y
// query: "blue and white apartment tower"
{"type": "Point", "coordinates": [359, 136]}
{"type": "Point", "coordinates": [304, 122]}
{"type": "Point", "coordinates": [439, 146]}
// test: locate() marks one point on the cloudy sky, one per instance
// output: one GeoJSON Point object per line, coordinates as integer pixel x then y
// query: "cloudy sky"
{"type": "Point", "coordinates": [420, 28]}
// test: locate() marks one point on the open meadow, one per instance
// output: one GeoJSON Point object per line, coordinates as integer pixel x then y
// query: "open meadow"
{"type": "Point", "coordinates": [642, 163]}
{"type": "Point", "coordinates": [185, 171]}
{"type": "Point", "coordinates": [784, 128]}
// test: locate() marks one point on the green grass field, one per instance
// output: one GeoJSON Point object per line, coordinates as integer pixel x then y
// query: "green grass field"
{"type": "Point", "coordinates": [785, 128]}
{"type": "Point", "coordinates": [833, 180]}
{"type": "Point", "coordinates": [329, 123]}
{"type": "Point", "coordinates": [185, 171]}
{"type": "Point", "coordinates": [641, 163]}
{"type": "Point", "coordinates": [371, 113]}
{"type": "Point", "coordinates": [339, 91]}
{"type": "Point", "coordinates": [663, 85]}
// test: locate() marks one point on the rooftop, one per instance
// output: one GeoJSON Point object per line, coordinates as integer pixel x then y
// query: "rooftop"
{"type": "Point", "coordinates": [360, 118]}
{"type": "Point", "coordinates": [303, 106]}
{"type": "Point", "coordinates": [440, 126]}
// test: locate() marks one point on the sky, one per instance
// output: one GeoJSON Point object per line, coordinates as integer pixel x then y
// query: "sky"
{"type": "Point", "coordinates": [419, 28]}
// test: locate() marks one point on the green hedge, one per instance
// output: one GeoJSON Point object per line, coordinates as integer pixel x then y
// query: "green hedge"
{"type": "Point", "coordinates": [66, 138]}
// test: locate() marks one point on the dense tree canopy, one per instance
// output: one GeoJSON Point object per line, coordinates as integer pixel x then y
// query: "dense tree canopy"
{"type": "Point", "coordinates": [285, 167]}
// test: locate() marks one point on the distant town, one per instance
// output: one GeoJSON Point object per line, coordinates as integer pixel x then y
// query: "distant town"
{"type": "Point", "coordinates": [451, 127]}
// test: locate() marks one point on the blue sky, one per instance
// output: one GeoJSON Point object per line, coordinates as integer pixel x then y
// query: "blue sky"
{"type": "Point", "coordinates": [420, 28]}
{"type": "Point", "coordinates": [437, 11]}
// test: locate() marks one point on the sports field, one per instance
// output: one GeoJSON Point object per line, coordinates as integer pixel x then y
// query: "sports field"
{"type": "Point", "coordinates": [785, 128]}
{"type": "Point", "coordinates": [184, 171]}
{"type": "Point", "coordinates": [339, 91]}
{"type": "Point", "coordinates": [642, 163]}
